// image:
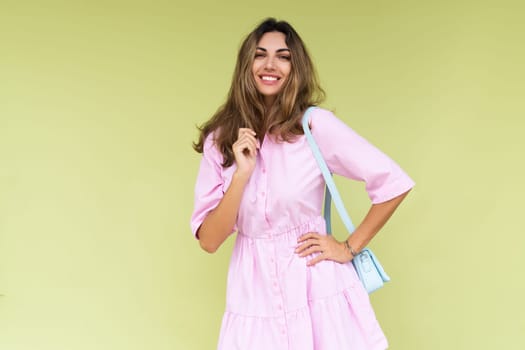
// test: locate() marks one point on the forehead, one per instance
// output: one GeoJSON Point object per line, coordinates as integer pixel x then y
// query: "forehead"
{"type": "Point", "coordinates": [273, 41]}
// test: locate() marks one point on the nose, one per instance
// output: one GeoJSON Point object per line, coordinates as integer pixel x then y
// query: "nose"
{"type": "Point", "coordinates": [269, 64]}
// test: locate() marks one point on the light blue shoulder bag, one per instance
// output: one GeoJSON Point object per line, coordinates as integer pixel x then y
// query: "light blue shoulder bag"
{"type": "Point", "coordinates": [368, 268]}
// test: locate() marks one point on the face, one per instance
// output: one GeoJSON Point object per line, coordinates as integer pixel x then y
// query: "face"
{"type": "Point", "coordinates": [272, 65]}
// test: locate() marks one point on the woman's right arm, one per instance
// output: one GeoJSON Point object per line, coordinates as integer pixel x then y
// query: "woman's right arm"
{"type": "Point", "coordinates": [219, 223]}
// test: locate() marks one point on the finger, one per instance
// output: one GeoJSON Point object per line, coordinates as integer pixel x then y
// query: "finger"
{"type": "Point", "coordinates": [247, 130]}
{"type": "Point", "coordinates": [250, 151]}
{"type": "Point", "coordinates": [306, 244]}
{"type": "Point", "coordinates": [311, 250]}
{"type": "Point", "coordinates": [249, 138]}
{"type": "Point", "coordinates": [309, 235]}
{"type": "Point", "coordinates": [315, 260]}
{"type": "Point", "coordinates": [243, 131]}
{"type": "Point", "coordinates": [244, 143]}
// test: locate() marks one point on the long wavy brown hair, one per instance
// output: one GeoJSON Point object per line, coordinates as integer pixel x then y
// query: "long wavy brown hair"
{"type": "Point", "coordinates": [245, 107]}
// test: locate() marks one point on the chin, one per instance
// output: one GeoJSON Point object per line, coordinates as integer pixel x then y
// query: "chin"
{"type": "Point", "coordinates": [269, 92]}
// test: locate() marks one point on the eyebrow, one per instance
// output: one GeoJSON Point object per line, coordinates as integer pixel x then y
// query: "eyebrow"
{"type": "Point", "coordinates": [279, 50]}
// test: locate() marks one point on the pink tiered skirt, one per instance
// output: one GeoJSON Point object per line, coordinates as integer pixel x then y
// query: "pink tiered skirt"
{"type": "Point", "coordinates": [276, 302]}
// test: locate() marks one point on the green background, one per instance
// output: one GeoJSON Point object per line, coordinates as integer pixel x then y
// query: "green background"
{"type": "Point", "coordinates": [98, 107]}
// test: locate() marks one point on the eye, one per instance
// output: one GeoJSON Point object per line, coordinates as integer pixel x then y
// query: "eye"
{"type": "Point", "coordinates": [259, 55]}
{"type": "Point", "coordinates": [285, 57]}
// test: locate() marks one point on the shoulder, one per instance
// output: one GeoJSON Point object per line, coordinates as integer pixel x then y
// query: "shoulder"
{"type": "Point", "coordinates": [320, 112]}
{"type": "Point", "coordinates": [211, 148]}
{"type": "Point", "coordinates": [210, 141]}
{"type": "Point", "coordinates": [324, 119]}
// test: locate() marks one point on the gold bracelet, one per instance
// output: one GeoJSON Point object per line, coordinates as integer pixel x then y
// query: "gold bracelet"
{"type": "Point", "coordinates": [352, 251]}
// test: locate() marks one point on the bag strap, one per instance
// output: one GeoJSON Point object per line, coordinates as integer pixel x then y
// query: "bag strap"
{"type": "Point", "coordinates": [331, 189]}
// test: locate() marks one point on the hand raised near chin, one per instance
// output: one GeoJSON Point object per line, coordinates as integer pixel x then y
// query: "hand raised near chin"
{"type": "Point", "coordinates": [245, 151]}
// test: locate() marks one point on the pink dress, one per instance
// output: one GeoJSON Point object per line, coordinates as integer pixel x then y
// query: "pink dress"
{"type": "Point", "coordinates": [274, 301]}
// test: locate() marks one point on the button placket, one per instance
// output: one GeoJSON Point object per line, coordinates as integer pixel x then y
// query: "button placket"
{"type": "Point", "coordinates": [276, 287]}
{"type": "Point", "coordinates": [262, 192]}
{"type": "Point", "coordinates": [263, 184]}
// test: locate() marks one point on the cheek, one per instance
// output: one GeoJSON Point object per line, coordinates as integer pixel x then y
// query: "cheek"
{"type": "Point", "coordinates": [256, 67]}
{"type": "Point", "coordinates": [287, 70]}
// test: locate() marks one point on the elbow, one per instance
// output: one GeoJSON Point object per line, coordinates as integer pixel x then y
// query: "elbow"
{"type": "Point", "coordinates": [204, 242]}
{"type": "Point", "coordinates": [207, 246]}
{"type": "Point", "coordinates": [210, 240]}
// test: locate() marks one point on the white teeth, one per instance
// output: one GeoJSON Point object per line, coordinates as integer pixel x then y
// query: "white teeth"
{"type": "Point", "coordinates": [269, 78]}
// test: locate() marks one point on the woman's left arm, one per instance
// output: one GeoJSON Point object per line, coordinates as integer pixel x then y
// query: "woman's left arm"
{"type": "Point", "coordinates": [374, 220]}
{"type": "Point", "coordinates": [350, 155]}
{"type": "Point", "coordinates": [331, 249]}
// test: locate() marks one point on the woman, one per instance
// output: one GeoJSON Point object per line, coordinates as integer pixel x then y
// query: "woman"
{"type": "Point", "coordinates": [290, 285]}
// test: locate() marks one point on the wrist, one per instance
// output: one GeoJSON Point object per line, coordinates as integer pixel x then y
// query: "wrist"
{"type": "Point", "coordinates": [241, 176]}
{"type": "Point", "coordinates": [350, 249]}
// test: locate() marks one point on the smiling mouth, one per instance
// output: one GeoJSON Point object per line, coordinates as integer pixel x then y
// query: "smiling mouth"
{"type": "Point", "coordinates": [269, 78]}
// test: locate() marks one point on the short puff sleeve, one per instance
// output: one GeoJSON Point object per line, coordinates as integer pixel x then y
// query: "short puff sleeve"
{"type": "Point", "coordinates": [350, 155]}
